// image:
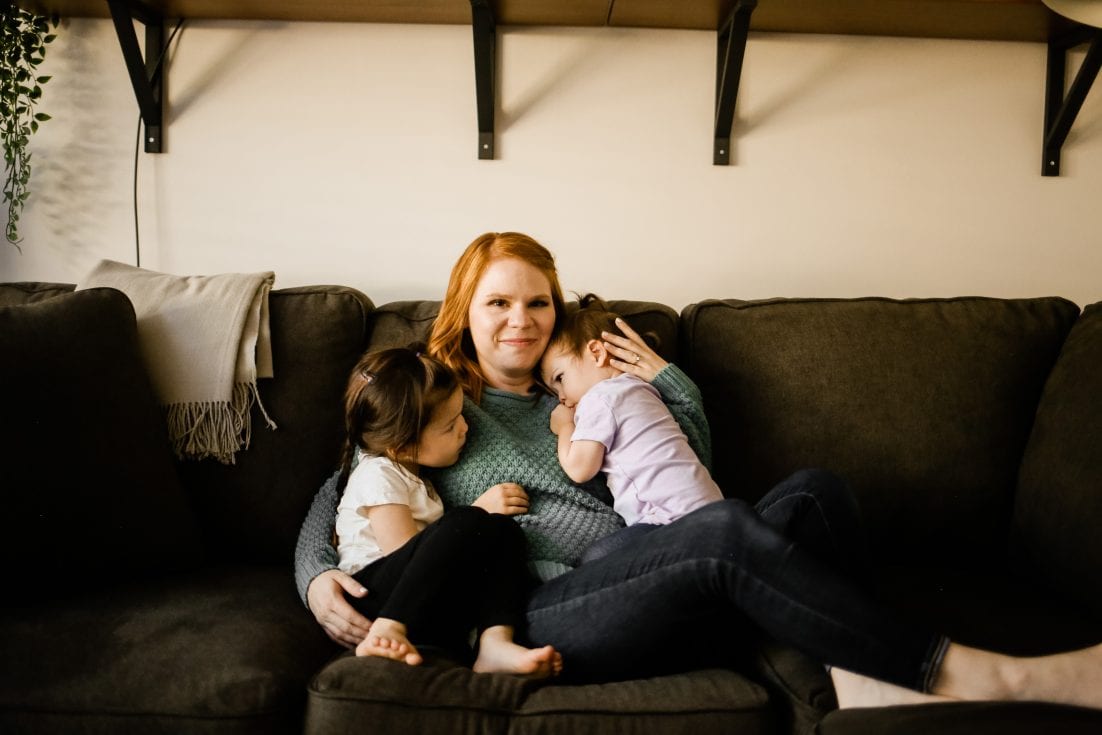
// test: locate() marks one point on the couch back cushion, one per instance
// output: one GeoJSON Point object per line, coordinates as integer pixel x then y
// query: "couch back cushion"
{"type": "Point", "coordinates": [924, 406]}
{"type": "Point", "coordinates": [1058, 509]}
{"type": "Point", "coordinates": [31, 292]}
{"type": "Point", "coordinates": [402, 322]}
{"type": "Point", "coordinates": [91, 491]}
{"type": "Point", "coordinates": [253, 508]}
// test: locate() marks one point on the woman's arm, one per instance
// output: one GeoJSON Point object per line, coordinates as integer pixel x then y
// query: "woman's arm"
{"type": "Point", "coordinates": [314, 552]}
{"type": "Point", "coordinates": [321, 585]}
{"type": "Point", "coordinates": [634, 356]}
{"type": "Point", "coordinates": [686, 404]}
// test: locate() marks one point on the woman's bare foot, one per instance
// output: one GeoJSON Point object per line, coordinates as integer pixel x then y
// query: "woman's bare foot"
{"type": "Point", "coordinates": [498, 654]}
{"type": "Point", "coordinates": [855, 690]}
{"type": "Point", "coordinates": [387, 639]}
{"type": "Point", "coordinates": [1074, 677]}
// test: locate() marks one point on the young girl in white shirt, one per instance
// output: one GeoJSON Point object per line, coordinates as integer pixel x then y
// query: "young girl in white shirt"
{"type": "Point", "coordinates": [431, 576]}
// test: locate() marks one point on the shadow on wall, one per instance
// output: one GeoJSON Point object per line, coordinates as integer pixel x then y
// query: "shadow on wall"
{"type": "Point", "coordinates": [1087, 125]}
{"type": "Point", "coordinates": [835, 61]}
{"type": "Point", "coordinates": [571, 64]}
{"type": "Point", "coordinates": [86, 175]}
{"type": "Point", "coordinates": [76, 181]}
{"type": "Point", "coordinates": [233, 56]}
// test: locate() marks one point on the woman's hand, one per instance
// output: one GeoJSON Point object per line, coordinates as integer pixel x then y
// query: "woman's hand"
{"type": "Point", "coordinates": [630, 354]}
{"type": "Point", "coordinates": [507, 498]}
{"type": "Point", "coordinates": [341, 622]}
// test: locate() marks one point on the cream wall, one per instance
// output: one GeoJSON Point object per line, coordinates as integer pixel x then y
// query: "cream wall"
{"type": "Point", "coordinates": [346, 153]}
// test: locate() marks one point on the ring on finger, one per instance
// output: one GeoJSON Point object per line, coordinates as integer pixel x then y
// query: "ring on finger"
{"type": "Point", "coordinates": [638, 357]}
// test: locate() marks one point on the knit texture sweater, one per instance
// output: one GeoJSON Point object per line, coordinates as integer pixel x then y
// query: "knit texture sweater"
{"type": "Point", "coordinates": [509, 440]}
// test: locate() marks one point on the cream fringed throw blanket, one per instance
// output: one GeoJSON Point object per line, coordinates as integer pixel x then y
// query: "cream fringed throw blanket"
{"type": "Point", "coordinates": [205, 340]}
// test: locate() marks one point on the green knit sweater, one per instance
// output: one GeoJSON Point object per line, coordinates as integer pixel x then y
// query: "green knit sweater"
{"type": "Point", "coordinates": [509, 440]}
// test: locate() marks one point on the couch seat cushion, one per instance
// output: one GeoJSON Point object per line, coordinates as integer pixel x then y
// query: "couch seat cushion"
{"type": "Point", "coordinates": [91, 487]}
{"type": "Point", "coordinates": [964, 718]}
{"type": "Point", "coordinates": [215, 651]}
{"type": "Point", "coordinates": [697, 702]}
{"type": "Point", "coordinates": [353, 695]}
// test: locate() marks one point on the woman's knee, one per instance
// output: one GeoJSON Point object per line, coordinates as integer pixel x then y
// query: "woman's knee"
{"type": "Point", "coordinates": [833, 493]}
{"type": "Point", "coordinates": [819, 480]}
{"type": "Point", "coordinates": [722, 533]}
{"type": "Point", "coordinates": [828, 489]}
{"type": "Point", "coordinates": [721, 522]}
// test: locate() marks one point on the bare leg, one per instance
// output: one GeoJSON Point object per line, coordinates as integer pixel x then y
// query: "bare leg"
{"type": "Point", "coordinates": [1074, 677]}
{"type": "Point", "coordinates": [497, 653]}
{"type": "Point", "coordinates": [856, 690]}
{"type": "Point", "coordinates": [387, 639]}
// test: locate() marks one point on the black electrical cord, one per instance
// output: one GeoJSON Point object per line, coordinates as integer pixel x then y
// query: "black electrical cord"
{"type": "Point", "coordinates": [138, 144]}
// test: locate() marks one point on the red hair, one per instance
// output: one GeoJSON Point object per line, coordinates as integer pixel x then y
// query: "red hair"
{"type": "Point", "coordinates": [450, 340]}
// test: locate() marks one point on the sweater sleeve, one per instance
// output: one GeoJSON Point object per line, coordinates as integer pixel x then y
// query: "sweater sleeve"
{"type": "Point", "coordinates": [314, 552]}
{"type": "Point", "coordinates": [685, 402]}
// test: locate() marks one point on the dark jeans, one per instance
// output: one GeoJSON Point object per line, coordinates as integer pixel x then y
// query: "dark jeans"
{"type": "Point", "coordinates": [466, 571]}
{"type": "Point", "coordinates": [787, 566]}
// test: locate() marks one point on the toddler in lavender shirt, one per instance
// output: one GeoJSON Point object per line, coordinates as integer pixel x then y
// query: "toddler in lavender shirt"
{"type": "Point", "coordinates": [612, 422]}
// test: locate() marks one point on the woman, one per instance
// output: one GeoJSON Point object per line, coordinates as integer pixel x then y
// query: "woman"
{"type": "Point", "coordinates": [663, 600]}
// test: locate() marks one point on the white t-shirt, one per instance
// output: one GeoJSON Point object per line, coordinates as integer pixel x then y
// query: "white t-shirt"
{"type": "Point", "coordinates": [378, 481]}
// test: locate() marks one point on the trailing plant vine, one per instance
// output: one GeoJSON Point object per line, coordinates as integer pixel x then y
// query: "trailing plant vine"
{"type": "Point", "coordinates": [23, 41]}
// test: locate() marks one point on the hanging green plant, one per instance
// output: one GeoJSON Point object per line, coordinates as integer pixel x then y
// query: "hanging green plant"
{"type": "Point", "coordinates": [23, 41]}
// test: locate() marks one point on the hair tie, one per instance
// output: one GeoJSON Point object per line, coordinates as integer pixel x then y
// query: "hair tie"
{"type": "Point", "coordinates": [367, 376]}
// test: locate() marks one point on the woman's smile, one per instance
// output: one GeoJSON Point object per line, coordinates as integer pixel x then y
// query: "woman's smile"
{"type": "Point", "coordinates": [517, 341]}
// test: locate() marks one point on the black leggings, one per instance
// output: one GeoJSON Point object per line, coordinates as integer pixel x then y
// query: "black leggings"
{"type": "Point", "coordinates": [465, 571]}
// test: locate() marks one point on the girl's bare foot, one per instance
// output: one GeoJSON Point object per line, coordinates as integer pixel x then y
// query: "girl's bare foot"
{"type": "Point", "coordinates": [855, 690]}
{"type": "Point", "coordinates": [387, 639]}
{"type": "Point", "coordinates": [498, 654]}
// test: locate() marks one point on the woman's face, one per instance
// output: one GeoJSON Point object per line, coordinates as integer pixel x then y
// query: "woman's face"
{"type": "Point", "coordinates": [510, 320]}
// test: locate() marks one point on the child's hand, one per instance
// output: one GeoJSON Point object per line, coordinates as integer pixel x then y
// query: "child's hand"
{"type": "Point", "coordinates": [507, 498]}
{"type": "Point", "coordinates": [562, 420]}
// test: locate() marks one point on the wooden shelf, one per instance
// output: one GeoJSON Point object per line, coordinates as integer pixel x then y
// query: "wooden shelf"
{"type": "Point", "coordinates": [1006, 20]}
{"type": "Point", "coordinates": [731, 20]}
{"type": "Point", "coordinates": [450, 12]}
{"type": "Point", "coordinates": [1003, 20]}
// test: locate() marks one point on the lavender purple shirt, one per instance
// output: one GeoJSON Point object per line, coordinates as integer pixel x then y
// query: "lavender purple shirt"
{"type": "Point", "coordinates": [652, 472]}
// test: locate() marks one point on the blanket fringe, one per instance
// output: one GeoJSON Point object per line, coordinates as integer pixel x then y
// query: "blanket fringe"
{"type": "Point", "coordinates": [215, 429]}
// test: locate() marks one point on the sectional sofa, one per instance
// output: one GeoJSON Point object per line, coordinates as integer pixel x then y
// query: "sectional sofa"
{"type": "Point", "coordinates": [150, 596]}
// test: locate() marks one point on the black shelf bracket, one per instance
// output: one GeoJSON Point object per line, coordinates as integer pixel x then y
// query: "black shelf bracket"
{"type": "Point", "coordinates": [1060, 111]}
{"type": "Point", "coordinates": [485, 61]}
{"type": "Point", "coordinates": [145, 74]}
{"type": "Point", "coordinates": [730, 50]}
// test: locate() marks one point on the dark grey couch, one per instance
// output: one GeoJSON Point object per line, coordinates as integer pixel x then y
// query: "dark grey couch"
{"type": "Point", "coordinates": [149, 596]}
